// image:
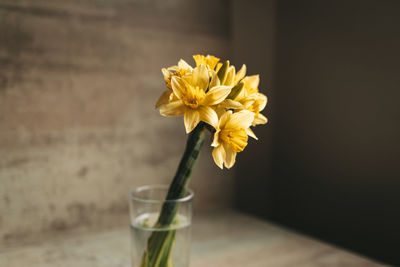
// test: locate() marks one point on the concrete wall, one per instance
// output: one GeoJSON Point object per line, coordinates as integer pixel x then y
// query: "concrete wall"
{"type": "Point", "coordinates": [78, 129]}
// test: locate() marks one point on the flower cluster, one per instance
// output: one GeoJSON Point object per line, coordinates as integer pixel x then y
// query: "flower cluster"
{"type": "Point", "coordinates": [216, 94]}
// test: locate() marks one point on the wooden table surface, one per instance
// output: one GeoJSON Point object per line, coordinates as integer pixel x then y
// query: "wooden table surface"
{"type": "Point", "coordinates": [221, 239]}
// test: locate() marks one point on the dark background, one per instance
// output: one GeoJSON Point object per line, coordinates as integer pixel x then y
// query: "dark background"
{"type": "Point", "coordinates": [327, 164]}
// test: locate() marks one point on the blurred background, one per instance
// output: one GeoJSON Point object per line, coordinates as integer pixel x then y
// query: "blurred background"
{"type": "Point", "coordinates": [78, 129]}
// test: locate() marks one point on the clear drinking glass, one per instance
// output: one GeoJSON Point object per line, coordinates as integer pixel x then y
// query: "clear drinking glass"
{"type": "Point", "coordinates": [145, 205]}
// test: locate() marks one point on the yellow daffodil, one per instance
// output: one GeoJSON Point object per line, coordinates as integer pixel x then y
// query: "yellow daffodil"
{"type": "Point", "coordinates": [231, 137]}
{"type": "Point", "coordinates": [194, 98]}
{"type": "Point", "coordinates": [181, 69]}
{"type": "Point", "coordinates": [258, 105]}
{"type": "Point", "coordinates": [252, 100]}
{"type": "Point", "coordinates": [250, 89]}
{"type": "Point", "coordinates": [256, 100]}
{"type": "Point", "coordinates": [216, 94]}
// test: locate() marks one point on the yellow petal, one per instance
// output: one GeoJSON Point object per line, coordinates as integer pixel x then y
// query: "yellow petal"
{"type": "Point", "coordinates": [173, 68]}
{"type": "Point", "coordinates": [183, 65]}
{"type": "Point", "coordinates": [191, 119]}
{"type": "Point", "coordinates": [164, 98]}
{"type": "Point", "coordinates": [175, 108]}
{"type": "Point", "coordinates": [240, 74]}
{"type": "Point", "coordinates": [260, 119]}
{"type": "Point", "coordinates": [242, 119]}
{"type": "Point", "coordinates": [200, 77]}
{"type": "Point", "coordinates": [215, 142]}
{"type": "Point", "coordinates": [230, 77]}
{"type": "Point", "coordinates": [219, 156]}
{"type": "Point", "coordinates": [214, 80]}
{"type": "Point", "coordinates": [262, 99]}
{"type": "Point", "coordinates": [219, 65]}
{"type": "Point", "coordinates": [208, 60]}
{"type": "Point", "coordinates": [212, 61]}
{"type": "Point", "coordinates": [251, 133]}
{"type": "Point", "coordinates": [216, 95]}
{"type": "Point", "coordinates": [224, 119]}
{"type": "Point", "coordinates": [248, 101]}
{"type": "Point", "coordinates": [231, 104]}
{"type": "Point", "coordinates": [230, 156]}
{"type": "Point", "coordinates": [220, 110]}
{"type": "Point", "coordinates": [208, 115]}
{"type": "Point", "coordinates": [166, 74]}
{"type": "Point", "coordinates": [178, 86]}
{"type": "Point", "coordinates": [251, 81]}
{"type": "Point", "coordinates": [199, 59]}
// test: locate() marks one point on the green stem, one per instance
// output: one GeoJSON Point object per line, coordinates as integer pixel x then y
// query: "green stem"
{"type": "Point", "coordinates": [179, 184]}
{"type": "Point", "coordinates": [160, 242]}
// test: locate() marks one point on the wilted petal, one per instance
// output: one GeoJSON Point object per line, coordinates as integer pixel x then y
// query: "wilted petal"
{"type": "Point", "coordinates": [200, 77]}
{"type": "Point", "coordinates": [191, 119]}
{"type": "Point", "coordinates": [175, 108]}
{"type": "Point", "coordinates": [178, 86]}
{"type": "Point", "coordinates": [219, 156]}
{"type": "Point", "coordinates": [216, 95]}
{"type": "Point", "coordinates": [251, 133]}
{"type": "Point", "coordinates": [208, 115]}
{"type": "Point", "coordinates": [230, 156]}
{"type": "Point", "coordinates": [164, 98]}
{"type": "Point", "coordinates": [242, 119]}
{"type": "Point", "coordinates": [260, 119]}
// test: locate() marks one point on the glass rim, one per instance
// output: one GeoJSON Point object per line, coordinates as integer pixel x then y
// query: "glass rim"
{"type": "Point", "coordinates": [133, 194]}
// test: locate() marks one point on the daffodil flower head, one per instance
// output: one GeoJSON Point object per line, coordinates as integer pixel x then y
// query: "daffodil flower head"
{"type": "Point", "coordinates": [231, 136]}
{"type": "Point", "coordinates": [179, 70]}
{"type": "Point", "coordinates": [216, 94]}
{"type": "Point", "coordinates": [252, 100]}
{"type": "Point", "coordinates": [194, 98]}
{"type": "Point", "coordinates": [256, 107]}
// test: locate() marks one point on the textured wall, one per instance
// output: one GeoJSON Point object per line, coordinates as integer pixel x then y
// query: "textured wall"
{"type": "Point", "coordinates": [78, 83]}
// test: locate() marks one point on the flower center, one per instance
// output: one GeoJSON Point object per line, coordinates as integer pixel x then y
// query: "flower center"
{"type": "Point", "coordinates": [236, 138]}
{"type": "Point", "coordinates": [194, 96]}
